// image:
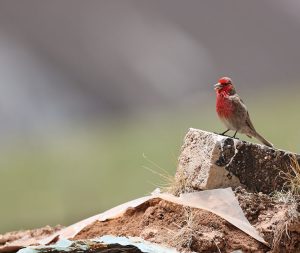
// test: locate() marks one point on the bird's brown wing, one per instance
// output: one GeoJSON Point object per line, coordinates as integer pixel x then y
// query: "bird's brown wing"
{"type": "Point", "coordinates": [249, 122]}
{"type": "Point", "coordinates": [241, 108]}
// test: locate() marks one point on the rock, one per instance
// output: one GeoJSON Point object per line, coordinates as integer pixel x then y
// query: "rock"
{"type": "Point", "coordinates": [209, 161]}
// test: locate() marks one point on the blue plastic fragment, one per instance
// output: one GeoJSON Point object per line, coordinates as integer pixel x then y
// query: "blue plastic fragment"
{"type": "Point", "coordinates": [65, 245]}
{"type": "Point", "coordinates": [27, 250]}
{"type": "Point", "coordinates": [135, 241]}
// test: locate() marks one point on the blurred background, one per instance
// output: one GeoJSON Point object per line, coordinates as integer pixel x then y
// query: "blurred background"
{"type": "Point", "coordinates": [94, 93]}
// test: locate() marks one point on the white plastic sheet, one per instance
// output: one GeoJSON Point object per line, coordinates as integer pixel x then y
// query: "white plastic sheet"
{"type": "Point", "coordinates": [115, 212]}
{"type": "Point", "coordinates": [221, 202]}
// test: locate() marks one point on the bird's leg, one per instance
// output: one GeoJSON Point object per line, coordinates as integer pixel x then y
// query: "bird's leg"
{"type": "Point", "coordinates": [225, 132]}
{"type": "Point", "coordinates": [235, 135]}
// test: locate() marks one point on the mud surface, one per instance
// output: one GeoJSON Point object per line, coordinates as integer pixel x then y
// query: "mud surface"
{"type": "Point", "coordinates": [172, 225]}
{"type": "Point", "coordinates": [278, 221]}
{"type": "Point", "coordinates": [13, 241]}
{"type": "Point", "coordinates": [189, 229]}
{"type": "Point", "coordinates": [195, 230]}
{"type": "Point", "coordinates": [23, 235]}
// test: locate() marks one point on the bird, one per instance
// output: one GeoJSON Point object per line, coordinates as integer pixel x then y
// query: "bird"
{"type": "Point", "coordinates": [233, 112]}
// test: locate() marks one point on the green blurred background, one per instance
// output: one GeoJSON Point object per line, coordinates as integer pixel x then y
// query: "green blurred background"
{"type": "Point", "coordinates": [94, 92]}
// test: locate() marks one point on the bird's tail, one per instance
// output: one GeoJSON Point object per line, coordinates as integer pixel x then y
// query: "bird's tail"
{"type": "Point", "coordinates": [263, 140]}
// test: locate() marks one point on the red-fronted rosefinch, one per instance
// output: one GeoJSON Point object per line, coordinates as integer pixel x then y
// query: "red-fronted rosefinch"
{"type": "Point", "coordinates": [233, 112]}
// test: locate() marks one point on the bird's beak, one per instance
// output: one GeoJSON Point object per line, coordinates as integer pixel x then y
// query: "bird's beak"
{"type": "Point", "coordinates": [217, 86]}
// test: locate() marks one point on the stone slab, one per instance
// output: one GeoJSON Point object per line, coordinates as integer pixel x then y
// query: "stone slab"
{"type": "Point", "coordinates": [209, 161]}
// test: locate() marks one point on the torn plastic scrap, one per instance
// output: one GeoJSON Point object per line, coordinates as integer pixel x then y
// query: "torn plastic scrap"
{"type": "Point", "coordinates": [221, 202]}
{"type": "Point", "coordinates": [140, 243]}
{"type": "Point", "coordinates": [66, 245]}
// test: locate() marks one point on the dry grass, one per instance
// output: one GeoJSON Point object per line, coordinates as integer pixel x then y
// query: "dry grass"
{"type": "Point", "coordinates": [291, 198]}
{"type": "Point", "coordinates": [295, 181]}
{"type": "Point", "coordinates": [178, 185]}
{"type": "Point", "coordinates": [171, 184]}
{"type": "Point", "coordinates": [292, 176]}
{"type": "Point", "coordinates": [186, 234]}
{"type": "Point", "coordinates": [282, 231]}
{"type": "Point", "coordinates": [168, 179]}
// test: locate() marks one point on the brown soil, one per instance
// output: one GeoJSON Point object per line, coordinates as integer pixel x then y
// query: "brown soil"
{"type": "Point", "coordinates": [277, 221]}
{"type": "Point", "coordinates": [186, 229]}
{"type": "Point", "coordinates": [37, 234]}
{"type": "Point", "coordinates": [13, 241]}
{"type": "Point", "coordinates": [189, 229]}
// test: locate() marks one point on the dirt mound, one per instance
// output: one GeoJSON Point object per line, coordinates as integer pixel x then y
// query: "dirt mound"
{"type": "Point", "coordinates": [186, 229]}
{"type": "Point", "coordinates": [189, 229]}
{"type": "Point", "coordinates": [12, 241]}
{"type": "Point", "coordinates": [277, 218]}
{"type": "Point", "coordinates": [196, 230]}
{"type": "Point", "coordinates": [23, 234]}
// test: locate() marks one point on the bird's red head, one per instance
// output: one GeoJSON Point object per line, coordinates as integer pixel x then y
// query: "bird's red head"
{"type": "Point", "coordinates": [224, 85]}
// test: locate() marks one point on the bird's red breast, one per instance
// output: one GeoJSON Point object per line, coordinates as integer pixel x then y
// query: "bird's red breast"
{"type": "Point", "coordinates": [224, 106]}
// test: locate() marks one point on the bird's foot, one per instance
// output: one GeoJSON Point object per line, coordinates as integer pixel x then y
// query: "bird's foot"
{"type": "Point", "coordinates": [221, 134]}
{"type": "Point", "coordinates": [224, 135]}
{"type": "Point", "coordinates": [234, 136]}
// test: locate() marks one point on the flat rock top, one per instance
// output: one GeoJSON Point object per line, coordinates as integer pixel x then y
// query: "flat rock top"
{"type": "Point", "coordinates": [209, 160]}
